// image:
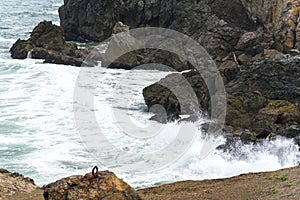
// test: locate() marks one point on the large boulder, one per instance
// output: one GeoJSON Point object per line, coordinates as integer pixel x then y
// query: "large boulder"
{"type": "Point", "coordinates": [103, 185]}
{"type": "Point", "coordinates": [177, 94]}
{"type": "Point", "coordinates": [48, 36]}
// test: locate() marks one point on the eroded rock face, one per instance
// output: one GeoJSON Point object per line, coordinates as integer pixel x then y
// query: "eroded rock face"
{"type": "Point", "coordinates": [105, 186]}
{"type": "Point", "coordinates": [11, 183]}
{"type": "Point", "coordinates": [280, 17]}
{"type": "Point", "coordinates": [245, 27]}
{"type": "Point", "coordinates": [265, 95]}
{"type": "Point", "coordinates": [202, 20]}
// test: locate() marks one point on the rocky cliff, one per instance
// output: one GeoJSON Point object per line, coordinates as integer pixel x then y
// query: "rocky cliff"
{"type": "Point", "coordinates": [280, 17]}
{"type": "Point", "coordinates": [201, 19]}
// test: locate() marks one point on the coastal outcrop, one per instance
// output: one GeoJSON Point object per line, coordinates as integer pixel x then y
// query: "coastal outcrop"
{"type": "Point", "coordinates": [47, 42]}
{"type": "Point", "coordinates": [263, 98]}
{"type": "Point", "coordinates": [101, 185]}
{"type": "Point", "coordinates": [13, 183]}
{"type": "Point", "coordinates": [216, 27]}
{"type": "Point", "coordinates": [200, 19]}
{"type": "Point", "coordinates": [239, 32]}
{"type": "Point", "coordinates": [280, 17]}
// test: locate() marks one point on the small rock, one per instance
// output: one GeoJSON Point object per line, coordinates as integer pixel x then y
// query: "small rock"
{"type": "Point", "coordinates": [120, 27]}
{"type": "Point", "coordinates": [272, 52]}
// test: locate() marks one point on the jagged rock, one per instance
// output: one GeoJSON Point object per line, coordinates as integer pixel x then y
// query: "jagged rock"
{"type": "Point", "coordinates": [263, 97]}
{"type": "Point", "coordinates": [11, 183]}
{"type": "Point", "coordinates": [218, 28]}
{"type": "Point", "coordinates": [169, 59]}
{"type": "Point", "coordinates": [20, 49]}
{"type": "Point", "coordinates": [228, 69]}
{"type": "Point", "coordinates": [280, 18]}
{"type": "Point", "coordinates": [252, 43]}
{"type": "Point", "coordinates": [271, 52]}
{"type": "Point", "coordinates": [39, 53]}
{"type": "Point", "coordinates": [105, 186]}
{"type": "Point", "coordinates": [244, 59]}
{"type": "Point", "coordinates": [47, 42]}
{"type": "Point", "coordinates": [246, 27]}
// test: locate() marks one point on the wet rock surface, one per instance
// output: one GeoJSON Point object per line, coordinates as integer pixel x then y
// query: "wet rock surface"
{"type": "Point", "coordinates": [104, 186]}
{"type": "Point", "coordinates": [177, 94]}
{"type": "Point", "coordinates": [47, 42]}
{"type": "Point", "coordinates": [263, 98]}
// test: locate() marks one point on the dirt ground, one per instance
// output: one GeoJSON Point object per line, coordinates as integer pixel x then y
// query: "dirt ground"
{"type": "Point", "coordinates": [283, 184]}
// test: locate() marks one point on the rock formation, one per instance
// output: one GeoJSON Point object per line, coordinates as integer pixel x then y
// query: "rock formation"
{"type": "Point", "coordinates": [200, 19]}
{"type": "Point", "coordinates": [263, 98]}
{"type": "Point", "coordinates": [103, 185]}
{"type": "Point", "coordinates": [47, 42]}
{"type": "Point", "coordinates": [12, 183]}
{"type": "Point", "coordinates": [246, 39]}
{"type": "Point", "coordinates": [280, 18]}
{"type": "Point", "coordinates": [217, 27]}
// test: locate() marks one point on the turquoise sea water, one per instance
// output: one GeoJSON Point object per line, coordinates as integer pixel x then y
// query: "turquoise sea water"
{"type": "Point", "coordinates": [38, 133]}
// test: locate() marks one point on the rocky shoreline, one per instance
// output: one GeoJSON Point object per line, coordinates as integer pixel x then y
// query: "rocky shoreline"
{"type": "Point", "coordinates": [281, 184]}
{"type": "Point", "coordinates": [255, 49]}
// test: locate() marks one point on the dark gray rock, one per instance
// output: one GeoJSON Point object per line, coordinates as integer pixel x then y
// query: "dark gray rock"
{"type": "Point", "coordinates": [47, 42]}
{"type": "Point", "coordinates": [20, 49]}
{"type": "Point", "coordinates": [264, 97]}
{"type": "Point", "coordinates": [58, 58]}
{"type": "Point", "coordinates": [203, 20]}
{"type": "Point", "coordinates": [177, 94]}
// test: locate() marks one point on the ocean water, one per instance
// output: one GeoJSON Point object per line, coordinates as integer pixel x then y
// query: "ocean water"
{"type": "Point", "coordinates": [40, 137]}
